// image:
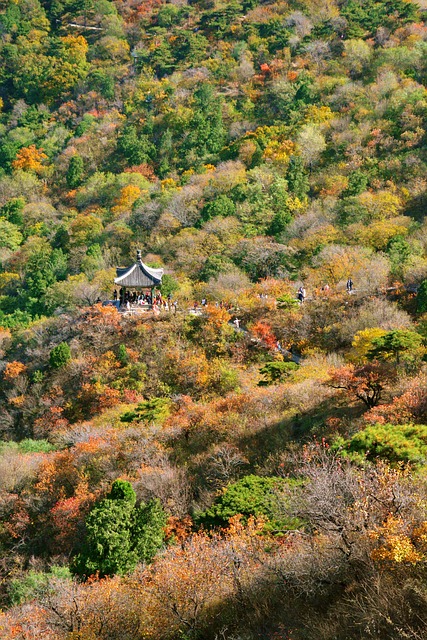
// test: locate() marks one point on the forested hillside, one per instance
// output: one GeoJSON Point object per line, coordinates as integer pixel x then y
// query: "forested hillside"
{"type": "Point", "coordinates": [249, 468]}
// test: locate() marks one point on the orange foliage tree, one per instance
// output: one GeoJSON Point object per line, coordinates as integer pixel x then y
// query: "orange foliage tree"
{"type": "Point", "coordinates": [411, 406]}
{"type": "Point", "coordinates": [13, 370]}
{"type": "Point", "coordinates": [30, 159]}
{"type": "Point", "coordinates": [365, 382]}
{"type": "Point", "coordinates": [262, 331]}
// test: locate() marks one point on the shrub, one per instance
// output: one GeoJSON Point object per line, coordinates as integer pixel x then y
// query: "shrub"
{"type": "Point", "coordinates": [276, 372]}
{"type": "Point", "coordinates": [122, 355]}
{"type": "Point", "coordinates": [60, 355]}
{"type": "Point", "coordinates": [33, 584]}
{"type": "Point", "coordinates": [287, 302]}
{"type": "Point", "coordinates": [395, 443]}
{"type": "Point", "coordinates": [152, 411]}
{"type": "Point", "coordinates": [26, 446]}
{"type": "Point", "coordinates": [252, 496]}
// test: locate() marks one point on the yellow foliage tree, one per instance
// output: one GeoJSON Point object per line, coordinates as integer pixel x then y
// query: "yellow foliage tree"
{"type": "Point", "coordinates": [362, 343]}
{"type": "Point", "coordinates": [7, 279]}
{"type": "Point", "coordinates": [381, 205]}
{"type": "Point", "coordinates": [279, 151]}
{"type": "Point", "coordinates": [84, 228]}
{"type": "Point", "coordinates": [397, 543]}
{"type": "Point", "coordinates": [128, 196]}
{"type": "Point", "coordinates": [30, 159]}
{"type": "Point", "coordinates": [68, 68]}
{"type": "Point", "coordinates": [318, 115]}
{"type": "Point", "coordinates": [378, 234]}
{"type": "Point", "coordinates": [335, 263]}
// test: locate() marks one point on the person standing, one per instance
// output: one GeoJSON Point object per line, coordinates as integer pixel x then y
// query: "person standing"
{"type": "Point", "coordinates": [349, 285]}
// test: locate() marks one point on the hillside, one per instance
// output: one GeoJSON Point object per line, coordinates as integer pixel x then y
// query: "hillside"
{"type": "Point", "coordinates": [253, 467]}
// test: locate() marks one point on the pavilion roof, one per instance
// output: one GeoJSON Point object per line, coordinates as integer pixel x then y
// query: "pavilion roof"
{"type": "Point", "coordinates": [138, 275]}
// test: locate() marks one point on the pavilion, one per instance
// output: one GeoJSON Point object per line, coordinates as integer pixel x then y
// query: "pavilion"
{"type": "Point", "coordinates": [138, 277]}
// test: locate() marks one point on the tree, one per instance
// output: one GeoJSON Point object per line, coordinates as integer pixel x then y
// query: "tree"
{"type": "Point", "coordinates": [422, 297]}
{"type": "Point", "coordinates": [365, 382]}
{"type": "Point", "coordinates": [75, 172]}
{"type": "Point", "coordinates": [365, 16]}
{"type": "Point", "coordinates": [312, 143]}
{"type": "Point", "coordinates": [66, 68]}
{"type": "Point", "coordinates": [60, 355]}
{"type": "Point", "coordinates": [221, 207]}
{"type": "Point", "coordinates": [39, 274]}
{"type": "Point", "coordinates": [120, 533]}
{"type": "Point", "coordinates": [212, 330]}
{"type": "Point", "coordinates": [397, 345]}
{"type": "Point", "coordinates": [12, 210]}
{"type": "Point", "coordinates": [279, 223]}
{"type": "Point", "coordinates": [205, 132]}
{"type": "Point", "coordinates": [362, 343]}
{"type": "Point", "coordinates": [124, 203]}
{"type": "Point", "coordinates": [357, 56]}
{"type": "Point", "coordinates": [214, 266]}
{"type": "Point", "coordinates": [30, 159]}
{"type": "Point", "coordinates": [357, 183]}
{"type": "Point", "coordinates": [84, 229]}
{"type": "Point", "coordinates": [135, 147]}
{"type": "Point", "coordinates": [297, 177]}
{"type": "Point", "coordinates": [10, 236]}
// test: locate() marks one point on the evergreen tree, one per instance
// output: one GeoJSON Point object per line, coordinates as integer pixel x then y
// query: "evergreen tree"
{"type": "Point", "coordinates": [75, 172]}
{"type": "Point", "coordinates": [397, 345]}
{"type": "Point", "coordinates": [12, 210]}
{"type": "Point", "coordinates": [357, 183]}
{"type": "Point", "coordinates": [221, 207]}
{"type": "Point", "coordinates": [280, 222]}
{"type": "Point", "coordinates": [119, 534]}
{"type": "Point", "coordinates": [60, 355]}
{"type": "Point", "coordinates": [422, 297]}
{"type": "Point", "coordinates": [135, 148]}
{"type": "Point", "coordinates": [297, 177]}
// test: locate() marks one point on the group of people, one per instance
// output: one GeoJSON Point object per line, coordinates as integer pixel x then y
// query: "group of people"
{"type": "Point", "coordinates": [219, 305]}
{"type": "Point", "coordinates": [224, 305]}
{"type": "Point", "coordinates": [302, 294]}
{"type": "Point", "coordinates": [158, 303]}
{"type": "Point", "coordinates": [128, 299]}
{"type": "Point", "coordinates": [133, 297]}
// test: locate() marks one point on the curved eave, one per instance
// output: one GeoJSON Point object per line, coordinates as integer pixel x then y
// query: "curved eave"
{"type": "Point", "coordinates": [138, 275]}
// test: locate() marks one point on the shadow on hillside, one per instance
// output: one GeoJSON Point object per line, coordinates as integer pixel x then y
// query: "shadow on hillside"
{"type": "Point", "coordinates": [416, 207]}
{"type": "Point", "coordinates": [300, 428]}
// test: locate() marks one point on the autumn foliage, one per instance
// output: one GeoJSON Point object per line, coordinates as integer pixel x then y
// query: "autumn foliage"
{"type": "Point", "coordinates": [236, 462]}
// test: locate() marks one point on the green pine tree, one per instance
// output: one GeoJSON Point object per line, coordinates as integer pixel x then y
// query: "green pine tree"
{"type": "Point", "coordinates": [119, 534]}
{"type": "Point", "coordinates": [75, 172]}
